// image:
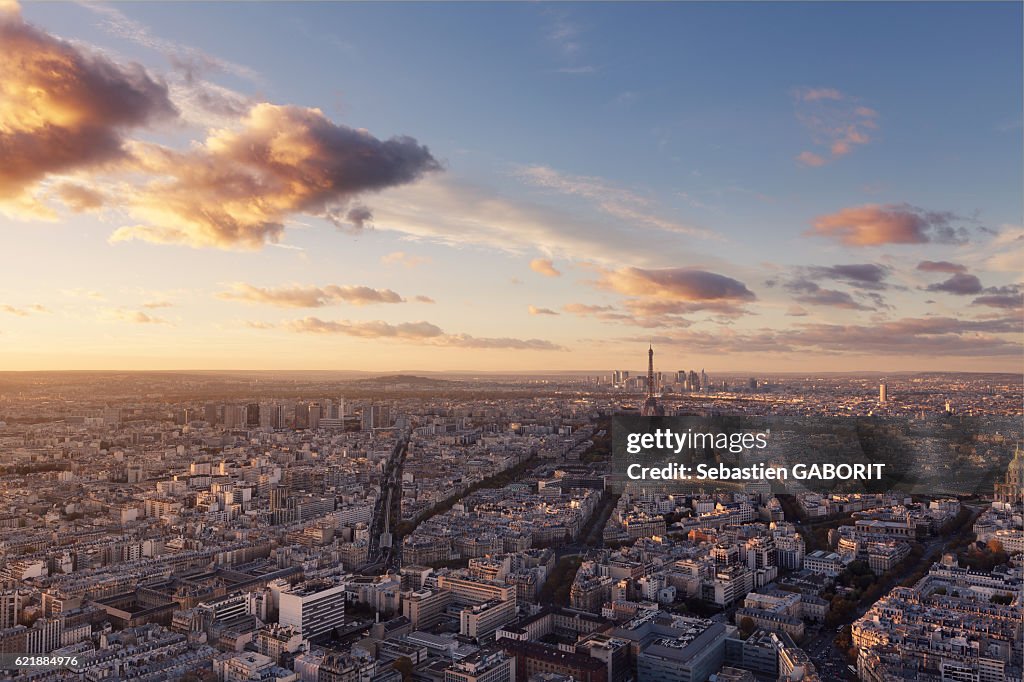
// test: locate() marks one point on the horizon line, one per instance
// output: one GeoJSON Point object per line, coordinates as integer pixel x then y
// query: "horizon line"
{"type": "Point", "coordinates": [583, 372]}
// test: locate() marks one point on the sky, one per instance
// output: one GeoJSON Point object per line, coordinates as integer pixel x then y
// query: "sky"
{"type": "Point", "coordinates": [769, 187]}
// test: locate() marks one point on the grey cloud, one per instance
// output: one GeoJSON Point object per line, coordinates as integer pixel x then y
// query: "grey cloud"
{"type": "Point", "coordinates": [861, 275]}
{"type": "Point", "coordinates": [940, 266]}
{"type": "Point", "coordinates": [1008, 301]}
{"type": "Point", "coordinates": [867, 278]}
{"type": "Point", "coordinates": [359, 216]}
{"type": "Point", "coordinates": [960, 284]}
{"type": "Point", "coordinates": [832, 298]}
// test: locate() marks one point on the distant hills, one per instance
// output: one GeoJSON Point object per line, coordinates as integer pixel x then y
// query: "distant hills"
{"type": "Point", "coordinates": [402, 379]}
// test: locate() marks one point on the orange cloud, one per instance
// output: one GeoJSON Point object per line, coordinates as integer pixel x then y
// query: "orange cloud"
{"type": "Point", "coordinates": [79, 198]}
{"type": "Point", "coordinates": [403, 258]}
{"type": "Point", "coordinates": [874, 224]}
{"type": "Point", "coordinates": [309, 297]}
{"type": "Point", "coordinates": [135, 316]}
{"type": "Point", "coordinates": [23, 312]}
{"type": "Point", "coordinates": [662, 297]}
{"type": "Point", "coordinates": [501, 343]}
{"type": "Point", "coordinates": [678, 284]}
{"type": "Point", "coordinates": [545, 267]}
{"type": "Point", "coordinates": [240, 186]}
{"type": "Point", "coordinates": [606, 313]}
{"type": "Point", "coordinates": [586, 309]}
{"type": "Point", "coordinates": [370, 329]}
{"type": "Point", "coordinates": [62, 108]}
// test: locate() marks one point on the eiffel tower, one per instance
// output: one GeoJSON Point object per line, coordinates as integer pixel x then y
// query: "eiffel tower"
{"type": "Point", "coordinates": [651, 407]}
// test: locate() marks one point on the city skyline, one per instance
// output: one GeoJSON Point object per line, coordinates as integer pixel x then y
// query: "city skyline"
{"type": "Point", "coordinates": [751, 188]}
{"type": "Point", "coordinates": [240, 530]}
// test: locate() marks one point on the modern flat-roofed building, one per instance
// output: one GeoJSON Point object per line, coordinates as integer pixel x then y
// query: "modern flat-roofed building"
{"type": "Point", "coordinates": [314, 608]}
{"type": "Point", "coordinates": [690, 656]}
{"type": "Point", "coordinates": [487, 665]}
{"type": "Point", "coordinates": [825, 563]}
{"type": "Point", "coordinates": [480, 621]}
{"type": "Point", "coordinates": [424, 608]}
{"type": "Point", "coordinates": [468, 592]}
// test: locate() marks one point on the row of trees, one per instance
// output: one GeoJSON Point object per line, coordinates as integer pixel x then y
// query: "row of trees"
{"type": "Point", "coordinates": [559, 582]}
{"type": "Point", "coordinates": [498, 480]}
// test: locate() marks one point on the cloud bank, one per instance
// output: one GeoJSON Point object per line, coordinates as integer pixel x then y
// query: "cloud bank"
{"type": "Point", "coordinates": [421, 332]}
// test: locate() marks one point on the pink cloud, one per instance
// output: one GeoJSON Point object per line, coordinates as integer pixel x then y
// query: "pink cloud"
{"type": "Point", "coordinates": [815, 94]}
{"type": "Point", "coordinates": [835, 121]}
{"type": "Point", "coordinates": [811, 159]}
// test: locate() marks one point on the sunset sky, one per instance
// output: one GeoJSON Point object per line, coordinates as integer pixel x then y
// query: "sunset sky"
{"type": "Point", "coordinates": [524, 186]}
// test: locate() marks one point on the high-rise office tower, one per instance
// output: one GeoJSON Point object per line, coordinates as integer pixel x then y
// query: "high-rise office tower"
{"type": "Point", "coordinates": [301, 415]}
{"type": "Point", "coordinates": [376, 417]}
{"type": "Point", "coordinates": [883, 392]}
{"type": "Point", "coordinates": [278, 420]}
{"type": "Point", "coordinates": [234, 416]}
{"type": "Point", "coordinates": [278, 497]}
{"type": "Point", "coordinates": [252, 414]}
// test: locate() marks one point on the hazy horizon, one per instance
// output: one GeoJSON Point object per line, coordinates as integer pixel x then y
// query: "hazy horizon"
{"type": "Point", "coordinates": [424, 373]}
